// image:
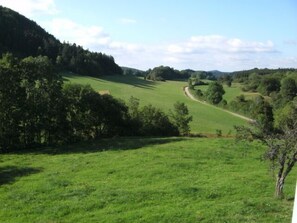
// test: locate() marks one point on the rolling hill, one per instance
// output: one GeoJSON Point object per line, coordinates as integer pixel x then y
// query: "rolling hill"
{"type": "Point", "coordinates": [24, 37]}
{"type": "Point", "coordinates": [163, 95]}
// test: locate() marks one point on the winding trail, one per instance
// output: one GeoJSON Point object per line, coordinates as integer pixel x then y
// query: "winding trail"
{"type": "Point", "coordinates": [188, 94]}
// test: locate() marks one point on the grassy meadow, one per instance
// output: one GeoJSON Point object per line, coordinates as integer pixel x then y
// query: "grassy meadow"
{"type": "Point", "coordinates": [231, 92]}
{"type": "Point", "coordinates": [142, 180]}
{"type": "Point", "coordinates": [163, 95]}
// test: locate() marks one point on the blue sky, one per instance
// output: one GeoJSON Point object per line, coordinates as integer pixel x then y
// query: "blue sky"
{"type": "Point", "coordinates": [226, 35]}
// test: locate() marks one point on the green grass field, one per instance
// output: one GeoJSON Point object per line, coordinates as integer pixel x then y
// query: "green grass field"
{"type": "Point", "coordinates": [231, 92]}
{"type": "Point", "coordinates": [142, 180]}
{"type": "Point", "coordinates": [163, 95]}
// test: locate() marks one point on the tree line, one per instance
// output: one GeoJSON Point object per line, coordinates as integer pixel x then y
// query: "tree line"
{"type": "Point", "coordinates": [24, 38]}
{"type": "Point", "coordinates": [163, 73]}
{"type": "Point", "coordinates": [38, 108]}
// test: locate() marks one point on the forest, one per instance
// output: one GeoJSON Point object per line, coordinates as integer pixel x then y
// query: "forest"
{"type": "Point", "coordinates": [24, 38]}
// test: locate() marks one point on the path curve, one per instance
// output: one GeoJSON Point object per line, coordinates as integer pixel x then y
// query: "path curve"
{"type": "Point", "coordinates": [188, 94]}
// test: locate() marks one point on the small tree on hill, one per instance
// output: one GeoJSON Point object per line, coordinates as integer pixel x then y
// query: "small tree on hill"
{"type": "Point", "coordinates": [181, 118]}
{"type": "Point", "coordinates": [214, 93]}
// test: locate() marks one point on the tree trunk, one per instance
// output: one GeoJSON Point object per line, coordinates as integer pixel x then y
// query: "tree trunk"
{"type": "Point", "coordinates": [279, 193]}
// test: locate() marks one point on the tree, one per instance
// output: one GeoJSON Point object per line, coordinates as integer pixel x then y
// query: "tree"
{"type": "Point", "coordinates": [269, 85]}
{"type": "Point", "coordinates": [11, 99]}
{"type": "Point", "coordinates": [181, 118]}
{"type": "Point", "coordinates": [155, 122]}
{"type": "Point", "coordinates": [281, 146]}
{"type": "Point", "coordinates": [227, 79]}
{"type": "Point", "coordinates": [42, 97]}
{"type": "Point", "coordinates": [214, 93]}
{"type": "Point", "coordinates": [190, 84]}
{"type": "Point", "coordinates": [262, 111]}
{"type": "Point", "coordinates": [288, 89]}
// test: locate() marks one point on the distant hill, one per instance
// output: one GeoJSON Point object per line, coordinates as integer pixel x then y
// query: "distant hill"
{"type": "Point", "coordinates": [242, 76]}
{"type": "Point", "coordinates": [24, 37]}
{"type": "Point", "coordinates": [133, 71]}
{"type": "Point", "coordinates": [218, 73]}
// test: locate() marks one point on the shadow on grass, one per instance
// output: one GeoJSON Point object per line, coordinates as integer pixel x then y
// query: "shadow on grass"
{"type": "Point", "coordinates": [110, 144]}
{"type": "Point", "coordinates": [9, 174]}
{"type": "Point", "coordinates": [131, 80]}
{"type": "Point", "coordinates": [123, 79]}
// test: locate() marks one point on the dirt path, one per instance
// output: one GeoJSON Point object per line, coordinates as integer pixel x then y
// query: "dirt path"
{"type": "Point", "coordinates": [188, 94]}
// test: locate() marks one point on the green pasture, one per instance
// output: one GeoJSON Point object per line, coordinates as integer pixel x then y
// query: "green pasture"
{"type": "Point", "coordinates": [231, 92]}
{"type": "Point", "coordinates": [163, 95]}
{"type": "Point", "coordinates": [142, 180]}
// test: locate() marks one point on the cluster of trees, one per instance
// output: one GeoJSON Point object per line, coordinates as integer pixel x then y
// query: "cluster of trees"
{"type": "Point", "coordinates": [244, 76]}
{"type": "Point", "coordinates": [24, 38]}
{"type": "Point", "coordinates": [163, 73]}
{"type": "Point", "coordinates": [280, 88]}
{"type": "Point", "coordinates": [226, 79]}
{"type": "Point", "coordinates": [203, 75]}
{"type": "Point", "coordinates": [37, 108]}
{"type": "Point", "coordinates": [275, 125]}
{"type": "Point", "coordinates": [265, 81]}
{"type": "Point", "coordinates": [74, 58]}
{"type": "Point", "coordinates": [275, 87]}
{"type": "Point", "coordinates": [213, 94]}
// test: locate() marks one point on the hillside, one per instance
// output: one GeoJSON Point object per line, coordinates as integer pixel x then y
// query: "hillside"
{"type": "Point", "coordinates": [133, 71]}
{"type": "Point", "coordinates": [218, 73]}
{"type": "Point", "coordinates": [162, 95]}
{"type": "Point", "coordinates": [24, 37]}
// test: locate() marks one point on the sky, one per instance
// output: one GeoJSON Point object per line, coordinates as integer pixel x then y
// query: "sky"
{"type": "Point", "coordinates": [225, 35]}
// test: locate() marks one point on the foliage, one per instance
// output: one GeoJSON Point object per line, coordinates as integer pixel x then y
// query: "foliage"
{"type": "Point", "coordinates": [30, 107]}
{"type": "Point", "coordinates": [288, 89]}
{"type": "Point", "coordinates": [162, 73]}
{"type": "Point", "coordinates": [281, 143]}
{"type": "Point", "coordinates": [244, 76]}
{"type": "Point", "coordinates": [204, 75]}
{"type": "Point", "coordinates": [36, 109]}
{"type": "Point", "coordinates": [24, 38]}
{"type": "Point", "coordinates": [214, 93]}
{"type": "Point", "coordinates": [91, 116]}
{"type": "Point", "coordinates": [149, 120]}
{"type": "Point", "coordinates": [154, 122]}
{"type": "Point", "coordinates": [181, 118]}
{"type": "Point", "coordinates": [286, 115]}
{"type": "Point", "coordinates": [269, 85]}
{"type": "Point", "coordinates": [226, 78]}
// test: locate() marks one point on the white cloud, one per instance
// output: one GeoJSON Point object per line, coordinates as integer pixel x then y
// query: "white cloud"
{"type": "Point", "coordinates": [127, 21]}
{"type": "Point", "coordinates": [86, 36]}
{"type": "Point", "coordinates": [31, 7]}
{"type": "Point", "coordinates": [198, 52]}
{"type": "Point", "coordinates": [219, 52]}
{"type": "Point", "coordinates": [220, 44]}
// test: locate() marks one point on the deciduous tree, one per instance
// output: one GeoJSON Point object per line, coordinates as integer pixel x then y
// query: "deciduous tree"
{"type": "Point", "coordinates": [281, 146]}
